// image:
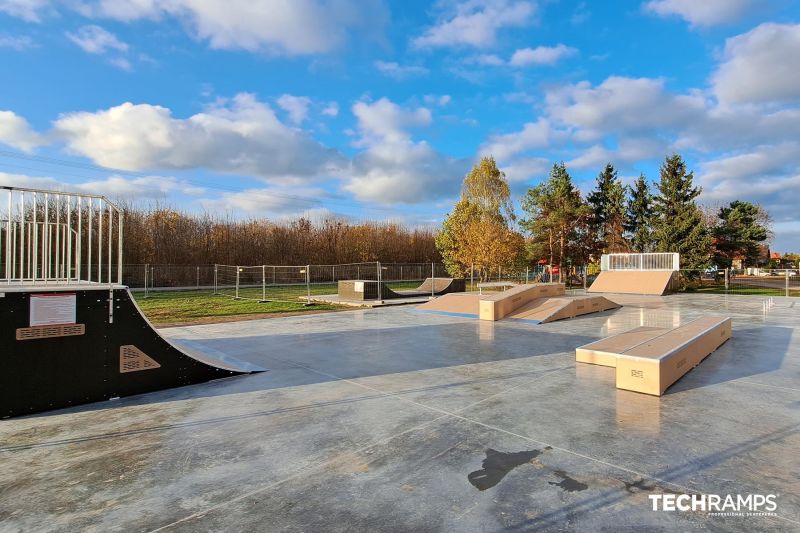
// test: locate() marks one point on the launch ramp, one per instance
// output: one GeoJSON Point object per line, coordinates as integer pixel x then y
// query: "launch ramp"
{"type": "Point", "coordinates": [536, 304]}
{"type": "Point", "coordinates": [545, 310]}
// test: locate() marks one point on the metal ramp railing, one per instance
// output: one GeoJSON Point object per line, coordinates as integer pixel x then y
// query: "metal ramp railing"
{"type": "Point", "coordinates": [53, 237]}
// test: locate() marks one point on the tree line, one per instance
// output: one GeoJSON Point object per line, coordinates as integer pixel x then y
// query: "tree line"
{"type": "Point", "coordinates": [561, 227]}
{"type": "Point", "coordinates": [168, 236]}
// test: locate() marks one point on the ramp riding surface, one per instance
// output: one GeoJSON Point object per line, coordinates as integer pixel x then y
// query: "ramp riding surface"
{"type": "Point", "coordinates": [546, 310]}
{"type": "Point", "coordinates": [653, 282]}
{"type": "Point", "coordinates": [531, 303]}
{"type": "Point", "coordinates": [110, 351]}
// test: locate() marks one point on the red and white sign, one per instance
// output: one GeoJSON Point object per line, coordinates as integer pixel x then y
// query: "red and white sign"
{"type": "Point", "coordinates": [51, 309]}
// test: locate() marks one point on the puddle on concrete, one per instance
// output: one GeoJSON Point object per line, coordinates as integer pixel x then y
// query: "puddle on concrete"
{"type": "Point", "coordinates": [640, 485]}
{"type": "Point", "coordinates": [497, 465]}
{"type": "Point", "coordinates": [567, 483]}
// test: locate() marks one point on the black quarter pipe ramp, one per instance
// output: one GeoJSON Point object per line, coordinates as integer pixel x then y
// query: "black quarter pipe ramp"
{"type": "Point", "coordinates": [66, 346]}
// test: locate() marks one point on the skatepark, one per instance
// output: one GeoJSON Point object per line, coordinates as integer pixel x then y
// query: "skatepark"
{"type": "Point", "coordinates": [508, 414]}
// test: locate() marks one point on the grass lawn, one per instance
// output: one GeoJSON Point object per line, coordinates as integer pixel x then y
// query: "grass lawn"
{"type": "Point", "coordinates": [186, 307]}
{"type": "Point", "coordinates": [754, 291]}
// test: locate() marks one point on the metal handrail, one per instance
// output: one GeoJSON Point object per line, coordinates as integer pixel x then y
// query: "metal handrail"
{"type": "Point", "coordinates": [48, 237]}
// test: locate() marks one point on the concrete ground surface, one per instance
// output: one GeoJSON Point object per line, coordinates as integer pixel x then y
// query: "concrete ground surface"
{"type": "Point", "coordinates": [394, 420]}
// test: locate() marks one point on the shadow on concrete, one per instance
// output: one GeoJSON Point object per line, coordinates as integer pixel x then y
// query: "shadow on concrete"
{"type": "Point", "coordinates": [299, 359]}
{"type": "Point", "coordinates": [749, 352]}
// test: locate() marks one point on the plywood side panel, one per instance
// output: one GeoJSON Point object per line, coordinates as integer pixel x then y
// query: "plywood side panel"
{"type": "Point", "coordinates": [499, 305]}
{"type": "Point", "coordinates": [644, 369]}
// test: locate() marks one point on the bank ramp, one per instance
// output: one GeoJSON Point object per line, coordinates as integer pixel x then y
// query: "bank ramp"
{"type": "Point", "coordinates": [654, 282]}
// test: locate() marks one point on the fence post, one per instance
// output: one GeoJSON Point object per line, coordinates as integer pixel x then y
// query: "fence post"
{"type": "Point", "coordinates": [526, 275]}
{"type": "Point", "coordinates": [726, 279]}
{"type": "Point", "coordinates": [787, 282]}
{"type": "Point", "coordinates": [237, 281]}
{"type": "Point", "coordinates": [263, 282]}
{"type": "Point", "coordinates": [145, 281]}
{"type": "Point", "coordinates": [585, 274]}
{"type": "Point", "coordinates": [433, 280]}
{"type": "Point", "coordinates": [215, 279]}
{"type": "Point", "coordinates": [308, 284]}
{"type": "Point", "coordinates": [198, 277]}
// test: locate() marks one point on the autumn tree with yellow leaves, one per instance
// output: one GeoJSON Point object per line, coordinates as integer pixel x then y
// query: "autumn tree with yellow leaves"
{"type": "Point", "coordinates": [477, 233]}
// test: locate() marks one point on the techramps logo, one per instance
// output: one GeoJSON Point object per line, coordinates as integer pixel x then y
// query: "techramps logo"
{"type": "Point", "coordinates": [743, 505]}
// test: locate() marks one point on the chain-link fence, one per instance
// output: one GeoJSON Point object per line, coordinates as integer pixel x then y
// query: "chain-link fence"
{"type": "Point", "coordinates": [753, 281]}
{"type": "Point", "coordinates": [290, 282]}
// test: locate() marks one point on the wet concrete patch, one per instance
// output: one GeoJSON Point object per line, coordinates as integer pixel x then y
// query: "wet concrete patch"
{"type": "Point", "coordinates": [568, 483]}
{"type": "Point", "coordinates": [497, 465]}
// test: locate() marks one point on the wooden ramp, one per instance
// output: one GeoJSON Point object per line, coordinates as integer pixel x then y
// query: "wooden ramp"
{"type": "Point", "coordinates": [499, 305]}
{"type": "Point", "coordinates": [535, 303]}
{"type": "Point", "coordinates": [454, 304]}
{"type": "Point", "coordinates": [652, 282]}
{"type": "Point", "coordinates": [545, 310]}
{"type": "Point", "coordinates": [649, 360]}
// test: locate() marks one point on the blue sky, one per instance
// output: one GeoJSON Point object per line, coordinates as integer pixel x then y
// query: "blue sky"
{"type": "Point", "coordinates": [376, 109]}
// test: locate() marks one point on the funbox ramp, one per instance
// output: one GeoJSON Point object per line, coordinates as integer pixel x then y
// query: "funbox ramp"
{"type": "Point", "coordinates": [650, 359]}
{"type": "Point", "coordinates": [650, 282]}
{"type": "Point", "coordinates": [105, 352]}
{"type": "Point", "coordinates": [377, 290]}
{"type": "Point", "coordinates": [534, 303]}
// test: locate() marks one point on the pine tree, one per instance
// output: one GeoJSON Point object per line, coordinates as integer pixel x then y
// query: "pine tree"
{"type": "Point", "coordinates": [556, 217]}
{"type": "Point", "coordinates": [678, 223]}
{"type": "Point", "coordinates": [607, 203]}
{"type": "Point", "coordinates": [638, 216]}
{"type": "Point", "coordinates": [739, 234]}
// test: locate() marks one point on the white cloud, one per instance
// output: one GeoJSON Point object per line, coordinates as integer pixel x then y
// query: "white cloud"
{"type": "Point", "coordinates": [384, 120]}
{"type": "Point", "coordinates": [28, 10]}
{"type": "Point", "coordinates": [331, 110]}
{"type": "Point", "coordinates": [476, 23]}
{"type": "Point", "coordinates": [114, 187]}
{"type": "Point", "coordinates": [487, 60]}
{"type": "Point", "coordinates": [273, 202]}
{"type": "Point", "coordinates": [121, 63]}
{"type": "Point", "coordinates": [621, 104]}
{"type": "Point", "coordinates": [16, 132]}
{"type": "Point", "coordinates": [399, 72]}
{"type": "Point", "coordinates": [241, 136]}
{"type": "Point", "coordinates": [393, 167]}
{"type": "Point", "coordinates": [760, 66]}
{"type": "Point", "coordinates": [533, 135]}
{"type": "Point", "coordinates": [628, 150]}
{"type": "Point", "coordinates": [762, 161]}
{"type": "Point", "coordinates": [541, 55]}
{"type": "Point", "coordinates": [16, 42]}
{"type": "Point", "coordinates": [432, 99]}
{"type": "Point", "coordinates": [702, 12]}
{"type": "Point", "coordinates": [298, 27]}
{"type": "Point", "coordinates": [96, 40]}
{"type": "Point", "coordinates": [524, 169]}
{"type": "Point", "coordinates": [295, 106]}
{"type": "Point", "coordinates": [138, 188]}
